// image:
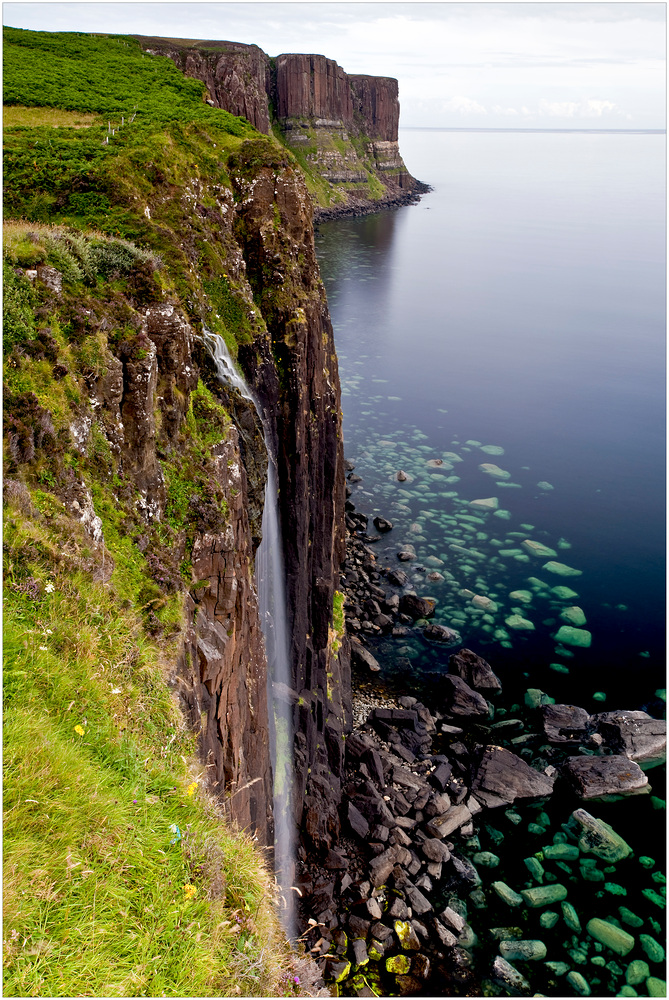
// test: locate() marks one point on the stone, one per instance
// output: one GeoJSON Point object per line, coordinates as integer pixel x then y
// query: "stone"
{"type": "Point", "coordinates": [506, 894]}
{"type": "Point", "coordinates": [561, 569]}
{"type": "Point", "coordinates": [571, 917]}
{"type": "Point", "coordinates": [573, 636]}
{"type": "Point", "coordinates": [573, 616]}
{"type": "Point", "coordinates": [445, 936]}
{"type": "Point", "coordinates": [381, 866]}
{"type": "Point", "coordinates": [635, 734]}
{"type": "Point", "coordinates": [599, 838]}
{"type": "Point", "coordinates": [594, 777]}
{"type": "Point", "coordinates": [486, 859]}
{"type": "Point", "coordinates": [358, 928]}
{"type": "Point", "coordinates": [637, 972]}
{"type": "Point", "coordinates": [656, 987]}
{"type": "Point", "coordinates": [490, 503]}
{"type": "Point", "coordinates": [398, 964]}
{"type": "Point", "coordinates": [557, 968]}
{"type": "Point", "coordinates": [502, 777]}
{"type": "Point", "coordinates": [610, 936]}
{"type": "Point", "coordinates": [565, 723]}
{"type": "Point", "coordinates": [521, 596]}
{"type": "Point", "coordinates": [374, 908]}
{"type": "Point", "coordinates": [360, 956]}
{"type": "Point", "coordinates": [653, 950]}
{"type": "Point", "coordinates": [474, 670]}
{"type": "Point", "coordinates": [509, 978]}
{"type": "Point", "coordinates": [460, 699]}
{"type": "Point", "coordinates": [441, 633]}
{"type": "Point", "coordinates": [543, 895]}
{"type": "Point", "coordinates": [519, 624]}
{"type": "Point", "coordinates": [416, 607]}
{"type": "Point", "coordinates": [445, 824]}
{"type": "Point", "coordinates": [630, 919]}
{"type": "Point", "coordinates": [579, 983]}
{"type": "Point", "coordinates": [522, 951]}
{"type": "Point", "coordinates": [406, 935]}
{"type": "Point", "coordinates": [362, 658]}
{"type": "Point", "coordinates": [561, 852]}
{"type": "Point", "coordinates": [537, 549]}
{"type": "Point", "coordinates": [382, 525]}
{"type": "Point", "coordinates": [435, 850]}
{"type": "Point", "coordinates": [493, 470]}
{"type": "Point", "coordinates": [535, 868]}
{"type": "Point", "coordinates": [418, 902]}
{"type": "Point", "coordinates": [564, 593]}
{"type": "Point", "coordinates": [357, 821]}
{"type": "Point", "coordinates": [452, 920]}
{"type": "Point", "coordinates": [548, 919]}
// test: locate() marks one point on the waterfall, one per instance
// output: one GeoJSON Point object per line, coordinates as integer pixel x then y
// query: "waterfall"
{"type": "Point", "coordinates": [270, 582]}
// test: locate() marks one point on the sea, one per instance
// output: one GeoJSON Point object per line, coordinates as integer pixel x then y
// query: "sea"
{"type": "Point", "coordinates": [501, 349]}
{"type": "Point", "coordinates": [501, 346]}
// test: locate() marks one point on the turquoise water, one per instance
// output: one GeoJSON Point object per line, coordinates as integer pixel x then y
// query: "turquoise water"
{"type": "Point", "coordinates": [514, 320]}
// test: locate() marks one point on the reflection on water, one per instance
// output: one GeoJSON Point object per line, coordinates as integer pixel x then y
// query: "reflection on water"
{"type": "Point", "coordinates": [519, 305]}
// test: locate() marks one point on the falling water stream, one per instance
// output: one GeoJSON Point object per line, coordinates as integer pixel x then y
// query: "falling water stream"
{"type": "Point", "coordinates": [270, 582]}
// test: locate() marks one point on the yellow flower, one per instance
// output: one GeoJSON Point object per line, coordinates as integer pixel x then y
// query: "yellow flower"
{"type": "Point", "coordinates": [191, 788]}
{"type": "Point", "coordinates": [79, 729]}
{"type": "Point", "coordinates": [190, 891]}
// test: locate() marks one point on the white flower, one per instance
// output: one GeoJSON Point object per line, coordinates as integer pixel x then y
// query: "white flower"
{"type": "Point", "coordinates": [49, 589]}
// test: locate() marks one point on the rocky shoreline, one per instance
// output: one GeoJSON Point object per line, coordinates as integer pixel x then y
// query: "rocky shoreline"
{"type": "Point", "coordinates": [357, 209]}
{"type": "Point", "coordinates": [410, 902]}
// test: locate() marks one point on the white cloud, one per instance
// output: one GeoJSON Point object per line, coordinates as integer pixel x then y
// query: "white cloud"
{"type": "Point", "coordinates": [578, 109]}
{"type": "Point", "coordinates": [465, 106]}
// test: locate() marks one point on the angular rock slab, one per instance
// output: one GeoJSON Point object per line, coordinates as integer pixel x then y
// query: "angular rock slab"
{"type": "Point", "coordinates": [474, 670]}
{"type": "Point", "coordinates": [565, 723]}
{"type": "Point", "coordinates": [460, 699]}
{"type": "Point", "coordinates": [509, 978]}
{"type": "Point", "coordinates": [561, 569]}
{"type": "Point", "coordinates": [636, 734]}
{"type": "Point", "coordinates": [600, 839]}
{"type": "Point", "coordinates": [595, 777]}
{"type": "Point", "coordinates": [502, 777]}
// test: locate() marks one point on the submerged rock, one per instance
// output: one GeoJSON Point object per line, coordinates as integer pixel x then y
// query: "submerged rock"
{"type": "Point", "coordinates": [574, 636]}
{"type": "Point", "coordinates": [489, 503]}
{"type": "Point", "coordinates": [494, 470]}
{"type": "Point", "coordinates": [561, 569]}
{"type": "Point", "coordinates": [519, 623]}
{"type": "Point", "coordinates": [460, 699]}
{"type": "Point", "coordinates": [573, 616]}
{"type": "Point", "coordinates": [610, 936]}
{"type": "Point", "coordinates": [600, 839]}
{"type": "Point", "coordinates": [538, 549]}
{"type": "Point", "coordinates": [440, 633]}
{"type": "Point", "coordinates": [544, 895]}
{"type": "Point", "coordinates": [523, 951]}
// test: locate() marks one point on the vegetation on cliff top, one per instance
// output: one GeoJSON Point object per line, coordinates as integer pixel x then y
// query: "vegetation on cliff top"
{"type": "Point", "coordinates": [120, 876]}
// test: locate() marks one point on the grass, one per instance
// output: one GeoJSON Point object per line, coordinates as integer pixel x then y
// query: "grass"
{"type": "Point", "coordinates": [14, 115]}
{"type": "Point", "coordinates": [102, 896]}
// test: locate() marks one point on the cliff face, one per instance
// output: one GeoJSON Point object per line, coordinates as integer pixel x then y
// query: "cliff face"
{"type": "Point", "coordinates": [343, 129]}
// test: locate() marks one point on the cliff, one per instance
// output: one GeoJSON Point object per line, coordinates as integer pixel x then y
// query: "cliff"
{"type": "Point", "coordinates": [343, 129]}
{"type": "Point", "coordinates": [125, 454]}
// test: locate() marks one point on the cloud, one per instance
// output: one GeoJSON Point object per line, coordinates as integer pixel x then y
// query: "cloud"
{"type": "Point", "coordinates": [578, 109]}
{"type": "Point", "coordinates": [464, 105]}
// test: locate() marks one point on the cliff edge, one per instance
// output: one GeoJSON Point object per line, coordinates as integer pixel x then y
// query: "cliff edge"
{"type": "Point", "coordinates": [342, 128]}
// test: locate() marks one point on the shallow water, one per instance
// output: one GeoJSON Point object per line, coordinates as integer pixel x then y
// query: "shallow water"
{"type": "Point", "coordinates": [519, 305]}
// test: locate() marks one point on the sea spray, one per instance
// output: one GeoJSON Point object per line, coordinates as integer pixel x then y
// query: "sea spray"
{"type": "Point", "coordinates": [270, 582]}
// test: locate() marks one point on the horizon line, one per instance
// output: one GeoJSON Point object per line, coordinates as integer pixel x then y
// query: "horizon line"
{"type": "Point", "coordinates": [501, 128]}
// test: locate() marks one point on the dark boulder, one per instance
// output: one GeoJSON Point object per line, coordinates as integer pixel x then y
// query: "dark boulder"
{"type": "Point", "coordinates": [440, 633]}
{"type": "Point", "coordinates": [565, 723]}
{"type": "Point", "coordinates": [474, 670]}
{"type": "Point", "coordinates": [382, 525]}
{"type": "Point", "coordinates": [416, 607]}
{"type": "Point", "coordinates": [636, 734]}
{"type": "Point", "coordinates": [460, 699]}
{"type": "Point", "coordinates": [501, 777]}
{"type": "Point", "coordinates": [594, 777]}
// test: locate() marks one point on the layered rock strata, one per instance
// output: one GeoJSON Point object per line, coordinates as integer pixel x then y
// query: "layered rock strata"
{"type": "Point", "coordinates": [343, 128]}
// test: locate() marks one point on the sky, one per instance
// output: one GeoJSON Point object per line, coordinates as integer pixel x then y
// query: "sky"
{"type": "Point", "coordinates": [462, 65]}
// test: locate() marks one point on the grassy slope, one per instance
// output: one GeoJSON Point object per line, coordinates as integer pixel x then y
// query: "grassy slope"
{"type": "Point", "coordinates": [102, 895]}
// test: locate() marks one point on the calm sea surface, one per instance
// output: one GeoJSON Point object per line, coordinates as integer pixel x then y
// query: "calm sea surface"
{"type": "Point", "coordinates": [515, 318]}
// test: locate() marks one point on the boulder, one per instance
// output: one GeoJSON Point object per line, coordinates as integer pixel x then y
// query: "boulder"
{"type": "Point", "coordinates": [594, 777]}
{"type": "Point", "coordinates": [362, 658]}
{"type": "Point", "coordinates": [416, 607]}
{"type": "Point", "coordinates": [460, 699]}
{"type": "Point", "coordinates": [502, 777]}
{"type": "Point", "coordinates": [382, 525]}
{"type": "Point", "coordinates": [474, 670]}
{"type": "Point", "coordinates": [440, 633]}
{"type": "Point", "coordinates": [565, 723]}
{"type": "Point", "coordinates": [636, 734]}
{"type": "Point", "coordinates": [442, 826]}
{"type": "Point", "coordinates": [599, 838]}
